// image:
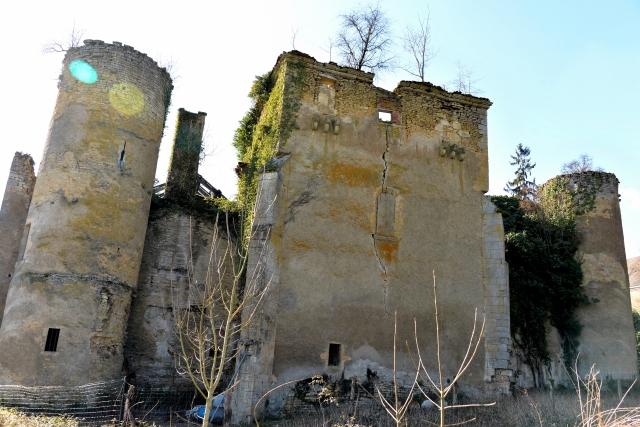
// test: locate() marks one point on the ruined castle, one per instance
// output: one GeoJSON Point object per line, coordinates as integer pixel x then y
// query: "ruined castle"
{"type": "Point", "coordinates": [370, 192]}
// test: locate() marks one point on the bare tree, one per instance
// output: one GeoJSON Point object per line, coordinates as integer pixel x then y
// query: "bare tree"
{"type": "Point", "coordinates": [171, 65]}
{"type": "Point", "coordinates": [209, 316]}
{"type": "Point", "coordinates": [438, 385]}
{"type": "Point", "coordinates": [417, 43]}
{"type": "Point", "coordinates": [464, 82]}
{"type": "Point", "coordinates": [364, 40]}
{"type": "Point", "coordinates": [294, 34]}
{"type": "Point", "coordinates": [328, 46]}
{"type": "Point", "coordinates": [583, 163]}
{"type": "Point", "coordinates": [72, 39]}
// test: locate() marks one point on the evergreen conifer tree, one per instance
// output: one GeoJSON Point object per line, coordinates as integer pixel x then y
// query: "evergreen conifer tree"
{"type": "Point", "coordinates": [521, 187]}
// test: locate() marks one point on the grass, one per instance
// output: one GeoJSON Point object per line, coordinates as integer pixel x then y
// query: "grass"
{"type": "Point", "coordinates": [524, 409]}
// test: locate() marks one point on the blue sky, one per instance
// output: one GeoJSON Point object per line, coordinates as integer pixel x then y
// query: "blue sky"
{"type": "Point", "coordinates": [563, 76]}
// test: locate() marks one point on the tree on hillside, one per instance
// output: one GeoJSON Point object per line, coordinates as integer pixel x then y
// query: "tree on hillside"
{"type": "Point", "coordinates": [521, 186]}
{"type": "Point", "coordinates": [583, 163]}
{"type": "Point", "coordinates": [364, 39]}
{"type": "Point", "coordinates": [417, 43]}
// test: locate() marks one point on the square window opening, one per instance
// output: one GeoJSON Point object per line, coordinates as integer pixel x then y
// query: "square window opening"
{"type": "Point", "coordinates": [52, 339]}
{"type": "Point", "coordinates": [384, 116]}
{"type": "Point", "coordinates": [334, 354]}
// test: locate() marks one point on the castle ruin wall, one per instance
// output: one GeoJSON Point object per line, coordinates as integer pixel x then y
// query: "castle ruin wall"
{"type": "Point", "coordinates": [13, 215]}
{"type": "Point", "coordinates": [378, 190]}
{"type": "Point", "coordinates": [69, 298]}
{"type": "Point", "coordinates": [608, 337]}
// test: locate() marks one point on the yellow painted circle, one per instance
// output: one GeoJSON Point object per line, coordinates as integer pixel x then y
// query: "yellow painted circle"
{"type": "Point", "coordinates": [126, 98]}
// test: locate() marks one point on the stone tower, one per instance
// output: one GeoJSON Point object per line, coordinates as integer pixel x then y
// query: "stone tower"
{"type": "Point", "coordinates": [70, 294]}
{"type": "Point", "coordinates": [182, 180]}
{"type": "Point", "coordinates": [15, 205]}
{"type": "Point", "coordinates": [608, 337]}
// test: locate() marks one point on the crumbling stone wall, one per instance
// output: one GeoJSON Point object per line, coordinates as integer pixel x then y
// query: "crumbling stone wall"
{"type": "Point", "coordinates": [177, 255]}
{"type": "Point", "coordinates": [608, 337]}
{"type": "Point", "coordinates": [371, 205]}
{"type": "Point", "coordinates": [13, 214]}
{"type": "Point", "coordinates": [498, 346]}
{"type": "Point", "coordinates": [182, 179]}
{"type": "Point", "coordinates": [87, 219]}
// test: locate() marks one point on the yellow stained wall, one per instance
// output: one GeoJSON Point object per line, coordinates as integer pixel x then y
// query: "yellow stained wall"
{"type": "Point", "coordinates": [87, 220]}
{"type": "Point", "coordinates": [363, 212]}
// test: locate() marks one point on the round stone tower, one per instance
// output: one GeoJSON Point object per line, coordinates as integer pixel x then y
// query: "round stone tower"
{"type": "Point", "coordinates": [70, 295]}
{"type": "Point", "coordinates": [608, 337]}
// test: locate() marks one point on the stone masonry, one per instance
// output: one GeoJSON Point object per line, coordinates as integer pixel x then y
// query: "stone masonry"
{"type": "Point", "coordinates": [498, 369]}
{"type": "Point", "coordinates": [69, 299]}
{"type": "Point", "coordinates": [15, 206]}
{"type": "Point", "coordinates": [371, 193]}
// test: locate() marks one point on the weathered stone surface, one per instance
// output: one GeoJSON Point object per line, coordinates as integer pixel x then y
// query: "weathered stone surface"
{"type": "Point", "coordinates": [177, 255]}
{"type": "Point", "coordinates": [633, 264]}
{"type": "Point", "coordinates": [608, 338]}
{"type": "Point", "coordinates": [87, 219]}
{"type": "Point", "coordinates": [15, 206]}
{"type": "Point", "coordinates": [182, 179]}
{"type": "Point", "coordinates": [386, 210]}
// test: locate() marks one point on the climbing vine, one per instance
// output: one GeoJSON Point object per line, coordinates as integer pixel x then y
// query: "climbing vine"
{"type": "Point", "coordinates": [264, 130]}
{"type": "Point", "coordinates": [545, 275]}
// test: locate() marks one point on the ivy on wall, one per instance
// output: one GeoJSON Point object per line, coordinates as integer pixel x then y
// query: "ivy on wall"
{"type": "Point", "coordinates": [545, 274]}
{"type": "Point", "coordinates": [263, 131]}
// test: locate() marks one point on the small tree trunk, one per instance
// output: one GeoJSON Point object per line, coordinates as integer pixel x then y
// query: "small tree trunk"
{"type": "Point", "coordinates": [207, 409]}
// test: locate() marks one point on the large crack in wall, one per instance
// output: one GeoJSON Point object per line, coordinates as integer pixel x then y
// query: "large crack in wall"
{"type": "Point", "coordinates": [385, 279]}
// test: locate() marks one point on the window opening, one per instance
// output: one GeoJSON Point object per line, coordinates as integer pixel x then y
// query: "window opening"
{"type": "Point", "coordinates": [52, 339]}
{"type": "Point", "coordinates": [384, 116]}
{"type": "Point", "coordinates": [334, 354]}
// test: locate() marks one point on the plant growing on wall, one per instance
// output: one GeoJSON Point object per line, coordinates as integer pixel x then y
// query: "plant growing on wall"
{"type": "Point", "coordinates": [209, 316]}
{"type": "Point", "coordinates": [545, 275]}
{"type": "Point", "coordinates": [264, 130]}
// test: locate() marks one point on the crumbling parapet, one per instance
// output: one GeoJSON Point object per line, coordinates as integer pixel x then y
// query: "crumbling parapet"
{"type": "Point", "coordinates": [608, 337]}
{"type": "Point", "coordinates": [69, 298]}
{"type": "Point", "coordinates": [15, 206]}
{"type": "Point", "coordinates": [182, 180]}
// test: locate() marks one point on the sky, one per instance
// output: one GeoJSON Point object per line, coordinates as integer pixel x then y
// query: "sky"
{"type": "Point", "coordinates": [562, 76]}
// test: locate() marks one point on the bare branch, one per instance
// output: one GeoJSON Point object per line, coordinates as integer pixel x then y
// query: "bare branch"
{"type": "Point", "coordinates": [328, 46]}
{"type": "Point", "coordinates": [417, 43]}
{"type": "Point", "coordinates": [464, 82]}
{"type": "Point", "coordinates": [583, 163]}
{"type": "Point", "coordinates": [364, 40]}
{"type": "Point", "coordinates": [73, 39]}
{"type": "Point", "coordinates": [294, 34]}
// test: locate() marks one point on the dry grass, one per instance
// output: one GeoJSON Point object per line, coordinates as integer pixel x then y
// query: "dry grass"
{"type": "Point", "coordinates": [13, 418]}
{"type": "Point", "coordinates": [533, 409]}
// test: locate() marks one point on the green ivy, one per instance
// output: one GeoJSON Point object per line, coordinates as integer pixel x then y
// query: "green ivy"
{"type": "Point", "coordinates": [636, 326]}
{"type": "Point", "coordinates": [545, 275]}
{"type": "Point", "coordinates": [264, 130]}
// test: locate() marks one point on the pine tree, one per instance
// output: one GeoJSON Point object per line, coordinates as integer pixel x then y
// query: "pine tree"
{"type": "Point", "coordinates": [521, 187]}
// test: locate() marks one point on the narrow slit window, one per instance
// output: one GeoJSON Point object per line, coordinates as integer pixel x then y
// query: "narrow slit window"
{"type": "Point", "coordinates": [334, 354]}
{"type": "Point", "coordinates": [384, 116]}
{"type": "Point", "coordinates": [52, 339]}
